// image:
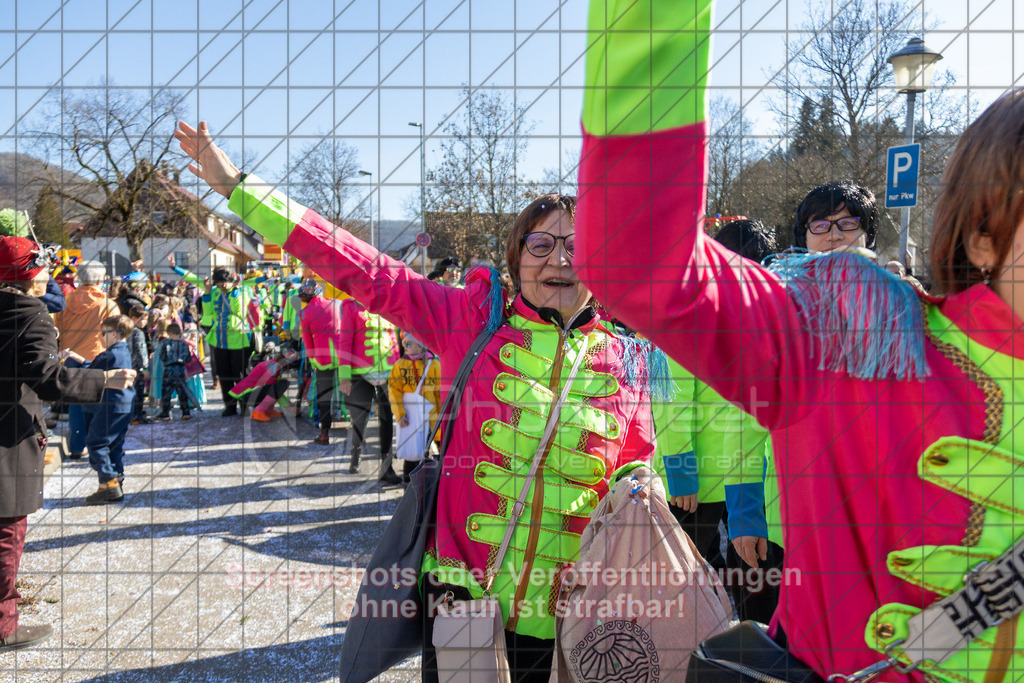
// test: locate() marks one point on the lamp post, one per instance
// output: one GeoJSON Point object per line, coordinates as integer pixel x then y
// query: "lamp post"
{"type": "Point", "coordinates": [912, 67]}
{"type": "Point", "coordinates": [373, 234]}
{"type": "Point", "coordinates": [423, 203]}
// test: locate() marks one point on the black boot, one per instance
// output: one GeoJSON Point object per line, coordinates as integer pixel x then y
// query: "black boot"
{"type": "Point", "coordinates": [353, 467]}
{"type": "Point", "coordinates": [390, 478]}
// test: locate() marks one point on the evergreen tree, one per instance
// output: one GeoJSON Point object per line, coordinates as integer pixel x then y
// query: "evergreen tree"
{"type": "Point", "coordinates": [47, 220]}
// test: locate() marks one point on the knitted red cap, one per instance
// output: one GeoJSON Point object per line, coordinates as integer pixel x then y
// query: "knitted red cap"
{"type": "Point", "coordinates": [18, 259]}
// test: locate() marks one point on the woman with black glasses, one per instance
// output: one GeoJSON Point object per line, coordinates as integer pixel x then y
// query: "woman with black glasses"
{"type": "Point", "coordinates": [544, 332]}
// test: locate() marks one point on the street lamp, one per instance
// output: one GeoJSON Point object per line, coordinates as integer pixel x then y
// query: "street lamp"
{"type": "Point", "coordinates": [912, 67]}
{"type": "Point", "coordinates": [373, 235]}
{"type": "Point", "coordinates": [423, 203]}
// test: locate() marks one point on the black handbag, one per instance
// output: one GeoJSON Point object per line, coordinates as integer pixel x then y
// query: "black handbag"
{"type": "Point", "coordinates": [381, 632]}
{"type": "Point", "coordinates": [745, 654]}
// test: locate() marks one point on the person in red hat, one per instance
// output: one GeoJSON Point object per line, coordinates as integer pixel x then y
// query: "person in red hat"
{"type": "Point", "coordinates": [29, 374]}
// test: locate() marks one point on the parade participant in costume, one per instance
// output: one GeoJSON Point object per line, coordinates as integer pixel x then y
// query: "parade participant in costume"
{"type": "Point", "coordinates": [269, 387]}
{"type": "Point", "coordinates": [368, 349]}
{"type": "Point", "coordinates": [29, 374]}
{"type": "Point", "coordinates": [548, 327]}
{"type": "Point", "coordinates": [892, 415]}
{"type": "Point", "coordinates": [320, 325]}
{"type": "Point", "coordinates": [230, 335]}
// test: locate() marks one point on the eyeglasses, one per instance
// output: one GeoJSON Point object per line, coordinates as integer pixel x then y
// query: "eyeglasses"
{"type": "Point", "coordinates": [540, 244]}
{"type": "Point", "coordinates": [823, 225]}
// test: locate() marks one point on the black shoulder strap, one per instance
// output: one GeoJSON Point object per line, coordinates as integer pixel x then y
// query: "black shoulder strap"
{"type": "Point", "coordinates": [450, 410]}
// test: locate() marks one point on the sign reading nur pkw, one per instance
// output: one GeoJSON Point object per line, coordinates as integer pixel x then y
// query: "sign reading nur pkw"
{"type": "Point", "coordinates": [901, 176]}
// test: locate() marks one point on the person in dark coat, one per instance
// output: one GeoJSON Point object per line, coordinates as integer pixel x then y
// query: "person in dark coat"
{"type": "Point", "coordinates": [29, 374]}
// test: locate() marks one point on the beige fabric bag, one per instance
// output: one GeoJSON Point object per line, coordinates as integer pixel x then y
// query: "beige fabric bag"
{"type": "Point", "coordinates": [469, 636]}
{"type": "Point", "coordinates": [640, 598]}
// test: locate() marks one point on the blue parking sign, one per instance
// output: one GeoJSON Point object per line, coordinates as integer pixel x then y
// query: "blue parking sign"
{"type": "Point", "coordinates": [901, 176]}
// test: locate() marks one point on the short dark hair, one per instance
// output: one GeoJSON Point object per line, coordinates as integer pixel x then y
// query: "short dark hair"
{"type": "Point", "coordinates": [221, 275]}
{"type": "Point", "coordinates": [748, 238]}
{"type": "Point", "coordinates": [121, 324]}
{"type": "Point", "coordinates": [136, 311]}
{"type": "Point", "coordinates": [830, 197]}
{"type": "Point", "coordinates": [174, 328]}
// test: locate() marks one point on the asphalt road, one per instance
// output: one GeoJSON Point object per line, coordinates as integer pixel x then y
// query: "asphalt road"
{"type": "Point", "coordinates": [234, 556]}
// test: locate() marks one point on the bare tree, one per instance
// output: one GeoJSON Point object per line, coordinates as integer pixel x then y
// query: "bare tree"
{"type": "Point", "coordinates": [731, 146]}
{"type": "Point", "coordinates": [116, 140]}
{"type": "Point", "coordinates": [473, 195]}
{"type": "Point", "coordinates": [837, 114]}
{"type": "Point", "coordinates": [322, 176]}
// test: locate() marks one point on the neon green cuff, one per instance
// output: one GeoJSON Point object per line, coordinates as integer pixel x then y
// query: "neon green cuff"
{"type": "Point", "coordinates": [265, 210]}
{"type": "Point", "coordinates": [647, 65]}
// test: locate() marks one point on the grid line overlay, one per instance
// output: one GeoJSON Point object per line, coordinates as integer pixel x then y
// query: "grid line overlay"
{"type": "Point", "coordinates": [200, 572]}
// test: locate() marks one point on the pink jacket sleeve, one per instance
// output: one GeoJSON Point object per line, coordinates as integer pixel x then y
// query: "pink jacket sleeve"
{"type": "Point", "coordinates": [641, 250]}
{"type": "Point", "coordinates": [385, 286]}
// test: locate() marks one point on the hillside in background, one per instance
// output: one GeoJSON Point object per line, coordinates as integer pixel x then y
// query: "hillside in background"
{"type": "Point", "coordinates": [22, 176]}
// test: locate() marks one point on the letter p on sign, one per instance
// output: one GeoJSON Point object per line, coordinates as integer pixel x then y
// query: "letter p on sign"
{"type": "Point", "coordinates": [901, 176]}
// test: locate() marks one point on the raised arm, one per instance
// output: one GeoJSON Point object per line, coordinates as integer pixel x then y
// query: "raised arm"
{"type": "Point", "coordinates": [640, 246]}
{"type": "Point", "coordinates": [382, 284]}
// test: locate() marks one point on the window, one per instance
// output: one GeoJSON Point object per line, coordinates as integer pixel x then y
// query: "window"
{"type": "Point", "coordinates": [182, 259]}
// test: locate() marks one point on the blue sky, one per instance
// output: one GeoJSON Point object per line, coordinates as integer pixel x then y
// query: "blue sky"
{"type": "Point", "coordinates": [271, 75]}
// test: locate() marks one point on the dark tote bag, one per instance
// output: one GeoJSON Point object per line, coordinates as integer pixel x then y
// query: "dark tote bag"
{"type": "Point", "coordinates": [387, 625]}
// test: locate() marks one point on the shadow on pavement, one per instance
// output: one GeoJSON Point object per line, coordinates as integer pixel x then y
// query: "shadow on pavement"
{"type": "Point", "coordinates": [307, 660]}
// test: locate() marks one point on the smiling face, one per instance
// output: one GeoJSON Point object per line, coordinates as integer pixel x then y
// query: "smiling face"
{"type": "Point", "coordinates": [835, 238]}
{"type": "Point", "coordinates": [549, 281]}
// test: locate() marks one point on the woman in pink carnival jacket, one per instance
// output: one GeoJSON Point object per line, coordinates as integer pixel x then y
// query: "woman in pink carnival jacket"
{"type": "Point", "coordinates": [880, 401]}
{"type": "Point", "coordinates": [320, 325]}
{"type": "Point", "coordinates": [537, 336]}
{"type": "Point", "coordinates": [366, 354]}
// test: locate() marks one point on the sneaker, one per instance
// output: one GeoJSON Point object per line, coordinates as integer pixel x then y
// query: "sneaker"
{"type": "Point", "coordinates": [260, 416]}
{"type": "Point", "coordinates": [229, 411]}
{"type": "Point", "coordinates": [166, 417]}
{"type": "Point", "coordinates": [141, 421]}
{"type": "Point", "coordinates": [274, 413]}
{"type": "Point", "coordinates": [186, 416]}
{"type": "Point", "coordinates": [25, 636]}
{"type": "Point", "coordinates": [390, 478]}
{"type": "Point", "coordinates": [106, 494]}
{"type": "Point", "coordinates": [324, 437]}
{"type": "Point", "coordinates": [76, 456]}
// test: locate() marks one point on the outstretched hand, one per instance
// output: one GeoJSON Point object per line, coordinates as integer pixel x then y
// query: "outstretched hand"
{"type": "Point", "coordinates": [211, 163]}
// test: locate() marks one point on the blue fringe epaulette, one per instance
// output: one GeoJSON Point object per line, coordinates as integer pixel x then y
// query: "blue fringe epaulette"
{"type": "Point", "coordinates": [645, 368]}
{"type": "Point", "coordinates": [867, 321]}
{"type": "Point", "coordinates": [495, 302]}
{"type": "Point", "coordinates": [494, 305]}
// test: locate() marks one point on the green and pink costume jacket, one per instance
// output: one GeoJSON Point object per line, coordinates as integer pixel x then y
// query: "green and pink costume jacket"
{"type": "Point", "coordinates": [893, 419]}
{"type": "Point", "coordinates": [367, 342]}
{"type": "Point", "coordinates": [265, 372]}
{"type": "Point", "coordinates": [321, 331]}
{"type": "Point", "coordinates": [709, 447]}
{"type": "Point", "coordinates": [225, 312]}
{"type": "Point", "coordinates": [604, 424]}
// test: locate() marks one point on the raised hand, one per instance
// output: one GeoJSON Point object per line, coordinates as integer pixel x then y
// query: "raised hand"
{"type": "Point", "coordinates": [211, 163]}
{"type": "Point", "coordinates": [171, 262]}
